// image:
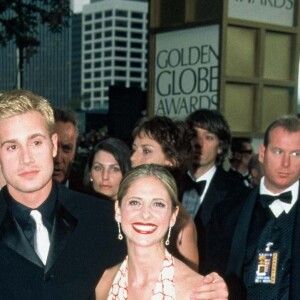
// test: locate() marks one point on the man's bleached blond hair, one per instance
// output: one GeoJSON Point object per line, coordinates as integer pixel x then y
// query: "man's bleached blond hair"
{"type": "Point", "coordinates": [17, 102]}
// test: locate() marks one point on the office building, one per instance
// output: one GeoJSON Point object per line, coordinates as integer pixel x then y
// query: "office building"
{"type": "Point", "coordinates": [114, 49]}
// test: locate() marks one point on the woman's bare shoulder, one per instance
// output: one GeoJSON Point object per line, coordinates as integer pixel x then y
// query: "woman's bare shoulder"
{"type": "Point", "coordinates": [185, 280]}
{"type": "Point", "coordinates": [105, 282]}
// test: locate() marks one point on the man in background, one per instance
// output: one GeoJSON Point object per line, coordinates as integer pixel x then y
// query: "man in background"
{"type": "Point", "coordinates": [241, 153]}
{"type": "Point", "coordinates": [256, 243]}
{"type": "Point", "coordinates": [206, 183]}
{"type": "Point", "coordinates": [66, 128]}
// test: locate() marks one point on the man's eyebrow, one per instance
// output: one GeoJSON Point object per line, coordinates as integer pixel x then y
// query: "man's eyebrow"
{"type": "Point", "coordinates": [11, 141]}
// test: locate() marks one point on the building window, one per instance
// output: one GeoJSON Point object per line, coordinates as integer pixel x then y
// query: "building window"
{"type": "Point", "coordinates": [135, 64]}
{"type": "Point", "coordinates": [87, 37]}
{"type": "Point", "coordinates": [87, 75]}
{"type": "Point", "coordinates": [136, 45]}
{"type": "Point", "coordinates": [121, 33]}
{"type": "Point", "coordinates": [137, 25]}
{"type": "Point", "coordinates": [107, 53]}
{"type": "Point", "coordinates": [87, 56]}
{"type": "Point", "coordinates": [108, 33]}
{"type": "Point", "coordinates": [108, 23]}
{"type": "Point", "coordinates": [97, 94]}
{"type": "Point", "coordinates": [107, 73]}
{"type": "Point", "coordinates": [108, 13]}
{"type": "Point", "coordinates": [120, 83]}
{"type": "Point", "coordinates": [87, 104]}
{"type": "Point", "coordinates": [88, 27]}
{"type": "Point", "coordinates": [121, 44]}
{"type": "Point", "coordinates": [135, 55]}
{"type": "Point", "coordinates": [120, 63]}
{"type": "Point", "coordinates": [87, 96]}
{"type": "Point", "coordinates": [97, 84]}
{"type": "Point", "coordinates": [107, 44]}
{"type": "Point", "coordinates": [107, 63]}
{"type": "Point", "coordinates": [88, 17]}
{"type": "Point", "coordinates": [98, 35]}
{"type": "Point", "coordinates": [120, 53]}
{"type": "Point", "coordinates": [98, 25]}
{"type": "Point", "coordinates": [136, 35]}
{"type": "Point", "coordinates": [107, 83]}
{"type": "Point", "coordinates": [98, 15]}
{"type": "Point", "coordinates": [120, 73]}
{"type": "Point", "coordinates": [97, 64]}
{"type": "Point", "coordinates": [135, 74]}
{"type": "Point", "coordinates": [136, 15]}
{"type": "Point", "coordinates": [87, 46]}
{"type": "Point", "coordinates": [98, 45]}
{"type": "Point", "coordinates": [120, 23]}
{"type": "Point", "coordinates": [97, 54]}
{"type": "Point", "coordinates": [97, 74]}
{"type": "Point", "coordinates": [87, 65]}
{"type": "Point", "coordinates": [87, 85]}
{"type": "Point", "coordinates": [121, 13]}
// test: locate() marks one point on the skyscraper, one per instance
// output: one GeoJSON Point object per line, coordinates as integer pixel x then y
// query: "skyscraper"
{"type": "Point", "coordinates": [114, 49]}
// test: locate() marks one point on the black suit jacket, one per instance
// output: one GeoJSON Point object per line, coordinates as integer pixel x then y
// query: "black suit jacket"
{"type": "Point", "coordinates": [232, 241]}
{"type": "Point", "coordinates": [83, 244]}
{"type": "Point", "coordinates": [222, 188]}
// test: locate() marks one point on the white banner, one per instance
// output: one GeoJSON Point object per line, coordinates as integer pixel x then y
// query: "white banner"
{"type": "Point", "coordinates": [279, 12]}
{"type": "Point", "coordinates": [186, 71]}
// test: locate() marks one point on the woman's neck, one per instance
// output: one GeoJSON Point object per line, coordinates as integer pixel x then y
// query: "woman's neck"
{"type": "Point", "coordinates": [144, 264]}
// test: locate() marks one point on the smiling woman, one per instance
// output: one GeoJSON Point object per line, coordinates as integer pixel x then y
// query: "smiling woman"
{"type": "Point", "coordinates": [147, 212]}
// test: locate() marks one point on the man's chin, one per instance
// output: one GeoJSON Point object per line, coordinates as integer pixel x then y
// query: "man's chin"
{"type": "Point", "coordinates": [58, 177]}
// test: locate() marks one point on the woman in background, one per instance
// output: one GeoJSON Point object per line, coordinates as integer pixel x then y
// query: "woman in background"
{"type": "Point", "coordinates": [106, 166]}
{"type": "Point", "coordinates": [160, 140]}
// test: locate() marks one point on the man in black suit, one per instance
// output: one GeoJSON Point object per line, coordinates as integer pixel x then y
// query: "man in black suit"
{"type": "Point", "coordinates": [81, 229]}
{"type": "Point", "coordinates": [259, 241]}
{"type": "Point", "coordinates": [54, 243]}
{"type": "Point", "coordinates": [210, 147]}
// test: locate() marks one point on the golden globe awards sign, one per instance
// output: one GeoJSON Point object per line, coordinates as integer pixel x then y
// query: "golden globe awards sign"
{"type": "Point", "coordinates": [186, 71]}
{"type": "Point", "coordinates": [279, 12]}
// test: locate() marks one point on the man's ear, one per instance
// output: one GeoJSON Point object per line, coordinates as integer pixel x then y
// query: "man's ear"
{"type": "Point", "coordinates": [54, 138]}
{"type": "Point", "coordinates": [261, 153]}
{"type": "Point", "coordinates": [117, 212]}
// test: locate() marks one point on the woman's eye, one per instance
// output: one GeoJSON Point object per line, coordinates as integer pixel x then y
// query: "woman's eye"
{"type": "Point", "coordinates": [159, 204]}
{"type": "Point", "coordinates": [134, 203]}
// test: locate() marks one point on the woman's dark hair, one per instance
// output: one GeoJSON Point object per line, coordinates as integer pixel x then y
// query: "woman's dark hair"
{"type": "Point", "coordinates": [173, 137]}
{"type": "Point", "coordinates": [117, 148]}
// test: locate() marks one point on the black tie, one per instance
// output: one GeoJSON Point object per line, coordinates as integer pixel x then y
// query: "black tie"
{"type": "Point", "coordinates": [266, 200]}
{"type": "Point", "coordinates": [199, 186]}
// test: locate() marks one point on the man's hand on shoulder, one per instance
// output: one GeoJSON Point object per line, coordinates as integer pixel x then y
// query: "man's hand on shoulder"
{"type": "Point", "coordinates": [212, 287]}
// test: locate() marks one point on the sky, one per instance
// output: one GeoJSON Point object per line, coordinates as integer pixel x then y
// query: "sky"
{"type": "Point", "coordinates": [78, 5]}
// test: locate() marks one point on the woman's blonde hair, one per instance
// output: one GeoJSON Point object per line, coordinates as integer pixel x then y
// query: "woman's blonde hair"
{"type": "Point", "coordinates": [150, 170]}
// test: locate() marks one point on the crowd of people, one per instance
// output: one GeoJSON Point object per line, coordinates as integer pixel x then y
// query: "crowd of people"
{"type": "Point", "coordinates": [161, 216]}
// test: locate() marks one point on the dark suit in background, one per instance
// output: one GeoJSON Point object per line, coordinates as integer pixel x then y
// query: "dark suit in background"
{"type": "Point", "coordinates": [222, 188]}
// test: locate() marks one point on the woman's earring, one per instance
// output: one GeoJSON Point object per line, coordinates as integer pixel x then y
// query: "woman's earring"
{"type": "Point", "coordinates": [91, 179]}
{"type": "Point", "coordinates": [120, 236]}
{"type": "Point", "coordinates": [167, 242]}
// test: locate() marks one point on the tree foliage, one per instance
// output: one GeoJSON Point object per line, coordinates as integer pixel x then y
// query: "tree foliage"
{"type": "Point", "coordinates": [19, 19]}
